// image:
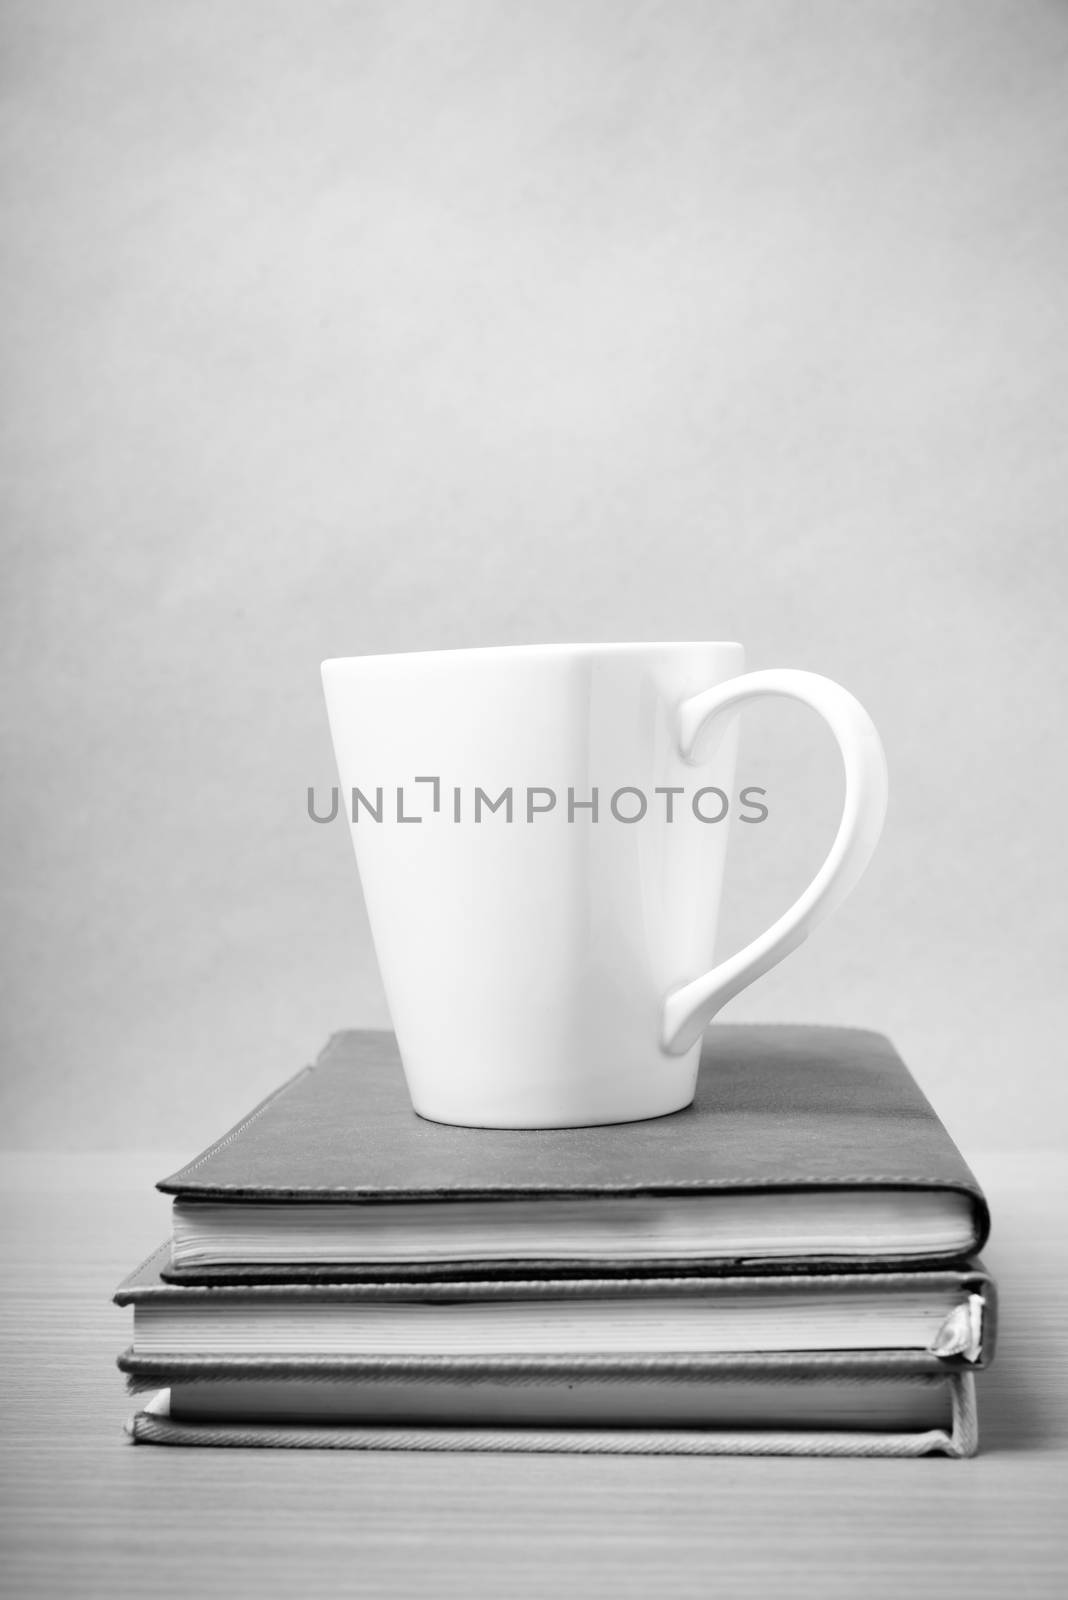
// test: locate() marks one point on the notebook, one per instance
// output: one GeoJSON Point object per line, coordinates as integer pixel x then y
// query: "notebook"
{"type": "Point", "coordinates": [749, 1413]}
{"type": "Point", "coordinates": [804, 1146]}
{"type": "Point", "coordinates": [936, 1315]}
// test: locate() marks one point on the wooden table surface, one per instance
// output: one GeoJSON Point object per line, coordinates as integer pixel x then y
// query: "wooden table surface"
{"type": "Point", "coordinates": [85, 1513]}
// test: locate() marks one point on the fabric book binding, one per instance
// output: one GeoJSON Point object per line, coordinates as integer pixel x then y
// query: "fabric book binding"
{"type": "Point", "coordinates": [954, 1434]}
{"type": "Point", "coordinates": [926, 1318]}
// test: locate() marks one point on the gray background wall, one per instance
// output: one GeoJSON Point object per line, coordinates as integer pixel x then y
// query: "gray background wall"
{"type": "Point", "coordinates": [343, 328]}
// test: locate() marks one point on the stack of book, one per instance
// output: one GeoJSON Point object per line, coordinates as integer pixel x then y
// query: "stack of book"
{"type": "Point", "coordinates": [788, 1266]}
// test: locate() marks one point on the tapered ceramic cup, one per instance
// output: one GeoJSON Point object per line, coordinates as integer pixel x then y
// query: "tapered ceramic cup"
{"type": "Point", "coordinates": [541, 834]}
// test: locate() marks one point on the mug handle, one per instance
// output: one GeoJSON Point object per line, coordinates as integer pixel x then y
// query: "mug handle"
{"type": "Point", "coordinates": [689, 1009]}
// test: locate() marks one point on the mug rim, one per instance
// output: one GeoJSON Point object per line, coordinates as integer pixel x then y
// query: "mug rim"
{"type": "Point", "coordinates": [465, 651]}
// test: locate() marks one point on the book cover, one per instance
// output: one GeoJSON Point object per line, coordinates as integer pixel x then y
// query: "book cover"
{"type": "Point", "coordinates": [792, 1114]}
{"type": "Point", "coordinates": [953, 1434]}
{"type": "Point", "coordinates": [920, 1322]}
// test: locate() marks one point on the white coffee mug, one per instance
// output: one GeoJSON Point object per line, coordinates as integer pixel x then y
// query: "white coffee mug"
{"type": "Point", "coordinates": [541, 835]}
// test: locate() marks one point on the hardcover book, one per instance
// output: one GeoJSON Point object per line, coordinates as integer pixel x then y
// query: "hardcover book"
{"type": "Point", "coordinates": [785, 1267]}
{"type": "Point", "coordinates": [805, 1146]}
{"type": "Point", "coordinates": [864, 1363]}
{"type": "Point", "coordinates": [782, 1413]}
{"type": "Point", "coordinates": [927, 1317]}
